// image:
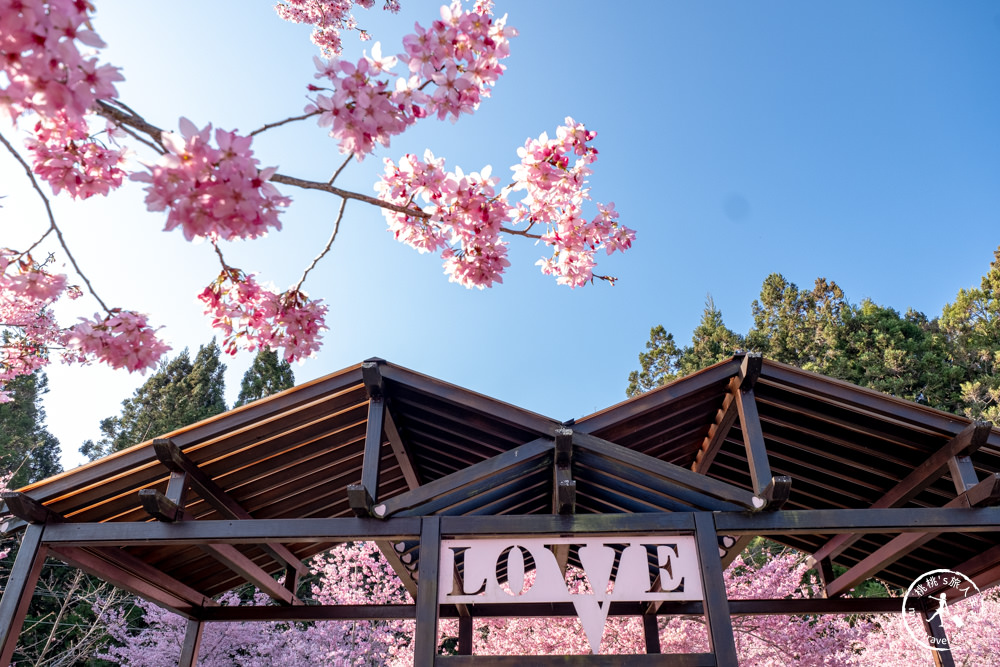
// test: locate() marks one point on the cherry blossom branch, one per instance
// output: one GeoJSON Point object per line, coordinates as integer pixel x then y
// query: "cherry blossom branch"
{"type": "Point", "coordinates": [132, 119]}
{"type": "Point", "coordinates": [53, 227]}
{"type": "Point", "coordinates": [340, 169]}
{"type": "Point", "coordinates": [520, 232]}
{"type": "Point", "coordinates": [347, 194]}
{"type": "Point", "coordinates": [329, 244]}
{"type": "Point", "coordinates": [293, 119]}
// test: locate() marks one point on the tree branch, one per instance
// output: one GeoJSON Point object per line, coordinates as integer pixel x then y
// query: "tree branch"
{"type": "Point", "coordinates": [329, 244]}
{"type": "Point", "coordinates": [269, 126]}
{"type": "Point", "coordinates": [347, 194]}
{"type": "Point", "coordinates": [132, 119]}
{"type": "Point", "coordinates": [53, 227]}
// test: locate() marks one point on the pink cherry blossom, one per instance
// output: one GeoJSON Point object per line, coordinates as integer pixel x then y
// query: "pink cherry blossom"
{"type": "Point", "coordinates": [65, 155]}
{"type": "Point", "coordinates": [45, 71]}
{"type": "Point", "coordinates": [251, 316]}
{"type": "Point", "coordinates": [123, 339]}
{"type": "Point", "coordinates": [214, 192]}
{"type": "Point", "coordinates": [466, 217]}
{"type": "Point", "coordinates": [329, 18]}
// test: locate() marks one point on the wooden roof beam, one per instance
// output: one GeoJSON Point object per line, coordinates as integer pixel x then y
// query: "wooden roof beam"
{"type": "Point", "coordinates": [363, 496]}
{"type": "Point", "coordinates": [984, 494]}
{"type": "Point", "coordinates": [707, 487]}
{"type": "Point", "coordinates": [470, 481]}
{"type": "Point", "coordinates": [171, 456]}
{"type": "Point", "coordinates": [770, 492]}
{"type": "Point", "coordinates": [965, 443]}
{"type": "Point", "coordinates": [114, 565]}
{"type": "Point", "coordinates": [28, 509]}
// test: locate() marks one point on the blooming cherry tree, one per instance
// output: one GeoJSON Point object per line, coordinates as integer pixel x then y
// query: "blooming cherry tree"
{"type": "Point", "coordinates": [82, 140]}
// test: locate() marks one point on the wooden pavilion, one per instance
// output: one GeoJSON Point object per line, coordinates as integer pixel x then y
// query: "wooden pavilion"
{"type": "Point", "coordinates": [883, 487]}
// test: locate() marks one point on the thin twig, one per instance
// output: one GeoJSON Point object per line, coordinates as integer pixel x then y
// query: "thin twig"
{"type": "Point", "coordinates": [222, 260]}
{"type": "Point", "coordinates": [329, 244]}
{"type": "Point", "coordinates": [52, 221]}
{"type": "Point", "coordinates": [337, 173]}
{"type": "Point", "coordinates": [347, 194]}
{"type": "Point", "coordinates": [269, 126]}
{"type": "Point", "coordinates": [38, 242]}
{"type": "Point", "coordinates": [520, 232]}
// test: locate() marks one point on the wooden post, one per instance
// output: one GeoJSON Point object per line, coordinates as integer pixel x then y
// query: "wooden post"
{"type": "Point", "coordinates": [465, 635]}
{"type": "Point", "coordinates": [651, 632]}
{"type": "Point", "coordinates": [934, 628]}
{"type": "Point", "coordinates": [713, 584]}
{"type": "Point", "coordinates": [192, 641]}
{"type": "Point", "coordinates": [425, 637]}
{"type": "Point", "coordinates": [20, 587]}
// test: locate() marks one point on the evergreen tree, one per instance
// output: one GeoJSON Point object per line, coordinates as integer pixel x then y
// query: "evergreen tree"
{"type": "Point", "coordinates": [27, 449]}
{"type": "Point", "coordinates": [659, 364]}
{"type": "Point", "coordinates": [797, 327]}
{"type": "Point", "coordinates": [711, 342]}
{"type": "Point", "coordinates": [179, 393]}
{"type": "Point", "coordinates": [268, 374]}
{"type": "Point", "coordinates": [663, 361]}
{"type": "Point", "coordinates": [971, 326]}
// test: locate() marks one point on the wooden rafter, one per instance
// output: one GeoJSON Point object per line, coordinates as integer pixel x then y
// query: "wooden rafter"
{"type": "Point", "coordinates": [965, 443]}
{"type": "Point", "coordinates": [705, 490]}
{"type": "Point", "coordinates": [171, 456]}
{"type": "Point", "coordinates": [984, 494]}
{"type": "Point", "coordinates": [468, 482]}
{"type": "Point", "coordinates": [770, 492]}
{"type": "Point", "coordinates": [724, 419]}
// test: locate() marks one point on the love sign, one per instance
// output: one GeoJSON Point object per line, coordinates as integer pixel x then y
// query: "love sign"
{"type": "Point", "coordinates": [616, 568]}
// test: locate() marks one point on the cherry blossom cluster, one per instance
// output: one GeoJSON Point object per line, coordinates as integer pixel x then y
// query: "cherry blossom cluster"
{"type": "Point", "coordinates": [363, 110]}
{"type": "Point", "coordinates": [328, 18]}
{"type": "Point", "coordinates": [122, 339]}
{"type": "Point", "coordinates": [65, 155]}
{"type": "Point", "coordinates": [253, 316]}
{"type": "Point", "coordinates": [212, 191]}
{"type": "Point", "coordinates": [27, 325]}
{"type": "Point", "coordinates": [41, 60]}
{"type": "Point", "coordinates": [465, 217]}
{"type": "Point", "coordinates": [459, 54]}
{"type": "Point", "coordinates": [553, 173]}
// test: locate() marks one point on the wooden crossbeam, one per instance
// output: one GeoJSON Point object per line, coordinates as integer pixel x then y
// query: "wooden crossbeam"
{"type": "Point", "coordinates": [171, 456]}
{"type": "Point", "coordinates": [706, 487]}
{"type": "Point", "coordinates": [965, 443]}
{"type": "Point", "coordinates": [28, 509]}
{"type": "Point", "coordinates": [239, 563]}
{"type": "Point", "coordinates": [984, 494]}
{"type": "Point", "coordinates": [115, 575]}
{"type": "Point", "coordinates": [470, 481]}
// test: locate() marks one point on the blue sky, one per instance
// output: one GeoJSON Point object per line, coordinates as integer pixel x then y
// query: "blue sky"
{"type": "Point", "coordinates": [852, 140]}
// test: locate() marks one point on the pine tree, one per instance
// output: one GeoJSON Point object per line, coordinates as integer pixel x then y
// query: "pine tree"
{"type": "Point", "coordinates": [179, 393]}
{"type": "Point", "coordinates": [659, 364]}
{"type": "Point", "coordinates": [711, 342]}
{"type": "Point", "coordinates": [268, 374]}
{"type": "Point", "coordinates": [26, 447]}
{"type": "Point", "coordinates": [972, 327]}
{"type": "Point", "coordinates": [797, 327]}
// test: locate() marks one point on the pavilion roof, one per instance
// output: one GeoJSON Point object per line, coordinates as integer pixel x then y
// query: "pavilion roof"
{"type": "Point", "coordinates": [446, 450]}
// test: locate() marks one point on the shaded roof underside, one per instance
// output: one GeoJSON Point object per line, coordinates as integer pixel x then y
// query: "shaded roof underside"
{"type": "Point", "coordinates": [293, 455]}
